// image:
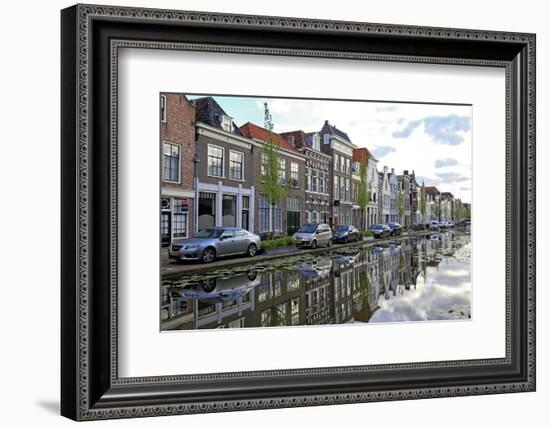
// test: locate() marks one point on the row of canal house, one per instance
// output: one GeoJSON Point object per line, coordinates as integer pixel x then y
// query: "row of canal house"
{"type": "Point", "coordinates": [212, 172]}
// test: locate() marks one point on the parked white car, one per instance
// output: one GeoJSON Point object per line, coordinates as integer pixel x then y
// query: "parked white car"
{"type": "Point", "coordinates": [313, 235]}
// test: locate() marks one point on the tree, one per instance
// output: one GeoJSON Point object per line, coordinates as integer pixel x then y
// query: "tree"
{"type": "Point", "coordinates": [363, 195]}
{"type": "Point", "coordinates": [437, 209]}
{"type": "Point", "coordinates": [423, 201]}
{"type": "Point", "coordinates": [401, 204]}
{"type": "Point", "coordinates": [273, 190]}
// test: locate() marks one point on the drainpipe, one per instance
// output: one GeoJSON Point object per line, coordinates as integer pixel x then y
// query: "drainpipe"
{"type": "Point", "coordinates": [196, 161]}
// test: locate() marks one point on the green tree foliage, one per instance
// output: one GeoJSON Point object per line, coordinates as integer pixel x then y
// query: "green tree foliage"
{"type": "Point", "coordinates": [272, 188]}
{"type": "Point", "coordinates": [401, 203]}
{"type": "Point", "coordinates": [437, 209]}
{"type": "Point", "coordinates": [363, 195]}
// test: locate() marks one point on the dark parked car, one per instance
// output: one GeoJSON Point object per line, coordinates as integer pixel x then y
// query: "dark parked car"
{"type": "Point", "coordinates": [380, 230]}
{"type": "Point", "coordinates": [210, 243]}
{"type": "Point", "coordinates": [345, 234]}
{"type": "Point", "coordinates": [395, 228]}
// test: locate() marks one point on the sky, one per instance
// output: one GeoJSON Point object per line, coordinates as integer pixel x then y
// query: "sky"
{"type": "Point", "coordinates": [433, 140]}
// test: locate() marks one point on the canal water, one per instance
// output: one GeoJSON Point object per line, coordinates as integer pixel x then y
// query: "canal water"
{"type": "Point", "coordinates": [415, 279]}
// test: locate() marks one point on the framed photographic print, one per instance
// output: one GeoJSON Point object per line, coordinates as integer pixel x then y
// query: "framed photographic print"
{"type": "Point", "coordinates": [264, 212]}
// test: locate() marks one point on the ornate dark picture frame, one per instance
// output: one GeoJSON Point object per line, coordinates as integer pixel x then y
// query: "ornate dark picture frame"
{"type": "Point", "coordinates": [91, 37]}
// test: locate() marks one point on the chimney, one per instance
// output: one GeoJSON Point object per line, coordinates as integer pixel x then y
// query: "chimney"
{"type": "Point", "coordinates": [326, 122]}
{"type": "Point", "coordinates": [392, 171]}
{"type": "Point", "coordinates": [385, 169]}
{"type": "Point", "coordinates": [405, 172]}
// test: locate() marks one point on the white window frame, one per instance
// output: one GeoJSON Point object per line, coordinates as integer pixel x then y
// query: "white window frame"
{"type": "Point", "coordinates": [281, 172]}
{"type": "Point", "coordinates": [208, 158]}
{"type": "Point", "coordinates": [226, 120]}
{"type": "Point", "coordinates": [231, 151]}
{"type": "Point", "coordinates": [295, 163]}
{"type": "Point", "coordinates": [179, 162]}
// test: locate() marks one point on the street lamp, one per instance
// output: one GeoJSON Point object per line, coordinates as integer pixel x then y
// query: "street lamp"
{"type": "Point", "coordinates": [196, 161]}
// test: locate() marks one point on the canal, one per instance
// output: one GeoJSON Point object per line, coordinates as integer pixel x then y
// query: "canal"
{"type": "Point", "coordinates": [415, 279]}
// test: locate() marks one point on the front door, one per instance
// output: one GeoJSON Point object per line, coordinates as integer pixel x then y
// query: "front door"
{"type": "Point", "coordinates": [165, 228]}
{"type": "Point", "coordinates": [292, 222]}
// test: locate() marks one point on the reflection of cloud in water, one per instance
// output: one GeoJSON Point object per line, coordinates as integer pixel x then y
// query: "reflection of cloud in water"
{"type": "Point", "coordinates": [445, 294]}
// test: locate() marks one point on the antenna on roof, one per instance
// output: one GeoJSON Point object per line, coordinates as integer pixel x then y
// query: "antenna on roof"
{"type": "Point", "coordinates": [268, 123]}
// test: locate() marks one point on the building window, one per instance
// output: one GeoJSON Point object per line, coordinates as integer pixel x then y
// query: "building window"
{"type": "Point", "coordinates": [308, 179]}
{"type": "Point", "coordinates": [207, 210]}
{"type": "Point", "coordinates": [236, 165]}
{"type": "Point", "coordinates": [180, 217]}
{"type": "Point", "coordinates": [314, 181]}
{"type": "Point", "coordinates": [263, 165]}
{"type": "Point", "coordinates": [336, 162]}
{"type": "Point", "coordinates": [294, 174]}
{"type": "Point", "coordinates": [229, 210]}
{"type": "Point", "coordinates": [292, 214]}
{"type": "Point", "coordinates": [171, 162]}
{"type": "Point", "coordinates": [291, 140]}
{"type": "Point", "coordinates": [245, 214]}
{"type": "Point", "coordinates": [215, 161]}
{"type": "Point", "coordinates": [227, 123]}
{"type": "Point", "coordinates": [336, 188]}
{"type": "Point", "coordinates": [316, 142]}
{"type": "Point", "coordinates": [282, 171]}
{"type": "Point", "coordinates": [343, 164]}
{"type": "Point", "coordinates": [163, 108]}
{"type": "Point", "coordinates": [264, 224]}
{"type": "Point", "coordinates": [348, 166]}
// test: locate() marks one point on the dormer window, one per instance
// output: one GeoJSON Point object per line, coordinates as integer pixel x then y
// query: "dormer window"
{"type": "Point", "coordinates": [227, 123]}
{"type": "Point", "coordinates": [291, 140]}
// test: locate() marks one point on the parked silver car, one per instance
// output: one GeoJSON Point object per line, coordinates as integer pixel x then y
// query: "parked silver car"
{"type": "Point", "coordinates": [210, 243]}
{"type": "Point", "coordinates": [313, 235]}
{"type": "Point", "coordinates": [219, 289]}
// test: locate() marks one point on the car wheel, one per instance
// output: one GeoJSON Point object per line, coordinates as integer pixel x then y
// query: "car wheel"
{"type": "Point", "coordinates": [329, 243]}
{"type": "Point", "coordinates": [314, 244]}
{"type": "Point", "coordinates": [208, 255]}
{"type": "Point", "coordinates": [208, 285]}
{"type": "Point", "coordinates": [346, 240]}
{"type": "Point", "coordinates": [252, 250]}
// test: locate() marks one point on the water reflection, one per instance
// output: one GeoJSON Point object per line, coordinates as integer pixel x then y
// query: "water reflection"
{"type": "Point", "coordinates": [416, 280]}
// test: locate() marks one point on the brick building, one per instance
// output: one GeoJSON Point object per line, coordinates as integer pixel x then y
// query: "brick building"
{"type": "Point", "coordinates": [339, 147]}
{"type": "Point", "coordinates": [177, 130]}
{"type": "Point", "coordinates": [287, 215]}
{"type": "Point", "coordinates": [317, 174]}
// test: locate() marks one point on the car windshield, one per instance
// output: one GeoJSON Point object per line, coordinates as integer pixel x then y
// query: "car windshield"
{"type": "Point", "coordinates": [209, 233]}
{"type": "Point", "coordinates": [341, 228]}
{"type": "Point", "coordinates": [308, 229]}
{"type": "Point", "coordinates": [376, 227]}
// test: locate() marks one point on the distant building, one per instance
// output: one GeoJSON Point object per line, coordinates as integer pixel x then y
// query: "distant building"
{"type": "Point", "coordinates": [447, 206]}
{"type": "Point", "coordinates": [404, 191]}
{"type": "Point", "coordinates": [433, 210]}
{"type": "Point", "coordinates": [339, 147]}
{"type": "Point", "coordinates": [383, 196]}
{"type": "Point", "coordinates": [177, 134]}
{"type": "Point", "coordinates": [363, 155]}
{"type": "Point", "coordinates": [394, 212]}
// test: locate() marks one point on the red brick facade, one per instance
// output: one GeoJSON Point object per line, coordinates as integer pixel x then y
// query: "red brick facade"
{"type": "Point", "coordinates": [177, 131]}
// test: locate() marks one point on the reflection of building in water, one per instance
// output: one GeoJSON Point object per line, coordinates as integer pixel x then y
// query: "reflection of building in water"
{"type": "Point", "coordinates": [342, 287]}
